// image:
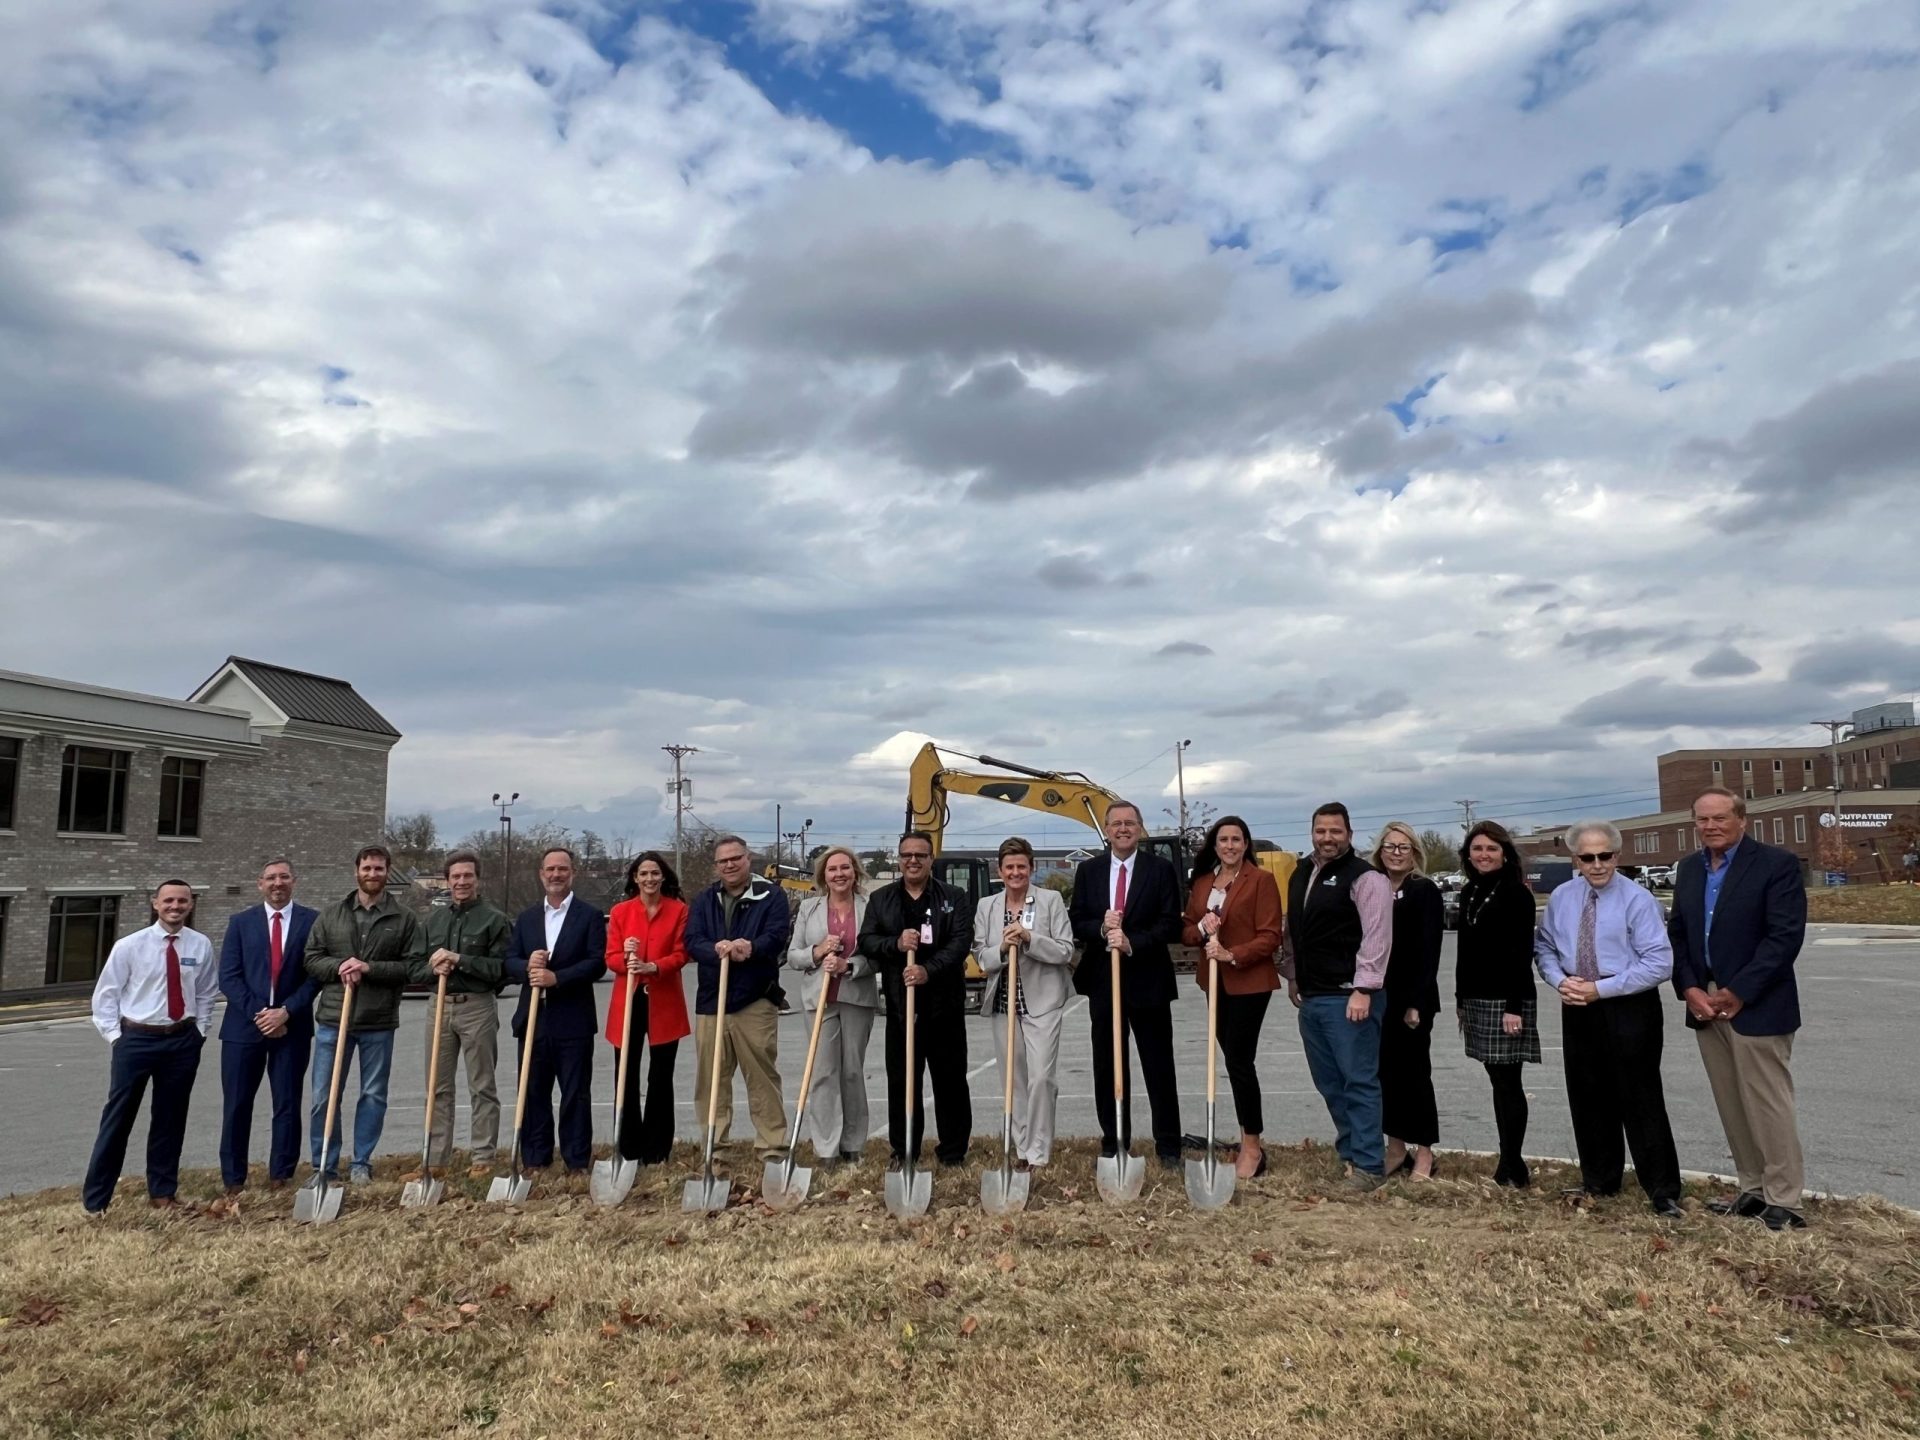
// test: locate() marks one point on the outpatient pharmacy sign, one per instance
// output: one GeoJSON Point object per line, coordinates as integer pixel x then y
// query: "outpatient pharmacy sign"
{"type": "Point", "coordinates": [1856, 819]}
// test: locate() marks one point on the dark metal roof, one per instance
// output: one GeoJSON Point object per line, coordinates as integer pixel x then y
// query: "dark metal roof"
{"type": "Point", "coordinates": [317, 699]}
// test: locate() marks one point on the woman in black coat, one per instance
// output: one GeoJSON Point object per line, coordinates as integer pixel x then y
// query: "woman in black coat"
{"type": "Point", "coordinates": [1411, 997]}
{"type": "Point", "coordinates": [1493, 984]}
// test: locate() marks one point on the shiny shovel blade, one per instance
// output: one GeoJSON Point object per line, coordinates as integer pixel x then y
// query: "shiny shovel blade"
{"type": "Point", "coordinates": [1209, 1191]}
{"type": "Point", "coordinates": [909, 1192]}
{"type": "Point", "coordinates": [708, 1193]}
{"type": "Point", "coordinates": [612, 1180]}
{"type": "Point", "coordinates": [509, 1189]}
{"type": "Point", "coordinates": [419, 1194]}
{"type": "Point", "coordinates": [781, 1190]}
{"type": "Point", "coordinates": [1120, 1177]}
{"type": "Point", "coordinates": [316, 1202]}
{"type": "Point", "coordinates": [1004, 1193]}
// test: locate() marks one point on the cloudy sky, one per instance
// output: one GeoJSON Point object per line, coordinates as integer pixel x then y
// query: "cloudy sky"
{"type": "Point", "coordinates": [1403, 401]}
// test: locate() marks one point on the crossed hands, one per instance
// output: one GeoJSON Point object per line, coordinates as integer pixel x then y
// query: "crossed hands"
{"type": "Point", "coordinates": [1720, 1005]}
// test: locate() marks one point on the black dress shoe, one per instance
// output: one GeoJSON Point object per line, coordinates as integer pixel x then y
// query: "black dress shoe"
{"type": "Point", "coordinates": [1748, 1205]}
{"type": "Point", "coordinates": [1169, 1162]}
{"type": "Point", "coordinates": [1668, 1208]}
{"type": "Point", "coordinates": [1261, 1168]}
{"type": "Point", "coordinates": [1779, 1217]}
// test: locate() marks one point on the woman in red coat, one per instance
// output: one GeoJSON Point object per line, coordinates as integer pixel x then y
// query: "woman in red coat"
{"type": "Point", "coordinates": [1233, 911]}
{"type": "Point", "coordinates": [647, 937]}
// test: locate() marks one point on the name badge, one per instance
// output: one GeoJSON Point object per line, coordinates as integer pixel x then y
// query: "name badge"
{"type": "Point", "coordinates": [187, 962]}
{"type": "Point", "coordinates": [926, 932]}
{"type": "Point", "coordinates": [1026, 914]}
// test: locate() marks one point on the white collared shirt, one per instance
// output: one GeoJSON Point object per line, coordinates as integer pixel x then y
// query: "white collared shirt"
{"type": "Point", "coordinates": [1115, 869]}
{"type": "Point", "coordinates": [556, 916]}
{"type": "Point", "coordinates": [133, 982]}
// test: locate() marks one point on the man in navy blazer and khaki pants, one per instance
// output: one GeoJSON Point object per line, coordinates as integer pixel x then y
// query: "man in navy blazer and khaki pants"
{"type": "Point", "coordinates": [1739, 918]}
{"type": "Point", "coordinates": [560, 946]}
{"type": "Point", "coordinates": [269, 1026]}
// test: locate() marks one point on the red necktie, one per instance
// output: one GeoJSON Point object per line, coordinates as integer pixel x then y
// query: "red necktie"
{"type": "Point", "coordinates": [273, 965]}
{"type": "Point", "coordinates": [1120, 890]}
{"type": "Point", "coordinates": [176, 996]}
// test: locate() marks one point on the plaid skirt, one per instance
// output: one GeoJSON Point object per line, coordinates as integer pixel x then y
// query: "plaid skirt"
{"type": "Point", "coordinates": [1491, 1045]}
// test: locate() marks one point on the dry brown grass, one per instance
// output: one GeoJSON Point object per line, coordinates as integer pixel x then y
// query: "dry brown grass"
{"type": "Point", "coordinates": [1865, 904]}
{"type": "Point", "coordinates": [1441, 1311]}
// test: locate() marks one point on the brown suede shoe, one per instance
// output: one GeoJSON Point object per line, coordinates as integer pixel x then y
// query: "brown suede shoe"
{"type": "Point", "coordinates": [163, 1202]}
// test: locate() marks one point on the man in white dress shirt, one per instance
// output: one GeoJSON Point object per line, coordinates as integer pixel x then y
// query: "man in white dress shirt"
{"type": "Point", "coordinates": [154, 1004]}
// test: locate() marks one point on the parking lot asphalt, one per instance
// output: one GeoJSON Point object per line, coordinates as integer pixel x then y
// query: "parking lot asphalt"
{"type": "Point", "coordinates": [1856, 1077]}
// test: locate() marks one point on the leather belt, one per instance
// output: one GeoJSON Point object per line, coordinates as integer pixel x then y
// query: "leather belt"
{"type": "Point", "coordinates": [176, 1028]}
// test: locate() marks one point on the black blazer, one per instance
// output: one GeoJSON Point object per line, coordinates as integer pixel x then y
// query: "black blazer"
{"type": "Point", "coordinates": [568, 1010]}
{"type": "Point", "coordinates": [946, 963]}
{"type": "Point", "coordinates": [1413, 965]}
{"type": "Point", "coordinates": [1759, 924]}
{"type": "Point", "coordinates": [1151, 922]}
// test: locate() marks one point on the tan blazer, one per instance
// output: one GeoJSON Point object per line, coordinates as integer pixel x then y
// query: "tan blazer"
{"type": "Point", "coordinates": [1046, 966]}
{"type": "Point", "coordinates": [1250, 928]}
{"type": "Point", "coordinates": [859, 986]}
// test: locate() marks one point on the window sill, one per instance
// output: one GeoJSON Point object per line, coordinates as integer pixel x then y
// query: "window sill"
{"type": "Point", "coordinates": [178, 839]}
{"type": "Point", "coordinates": [90, 835]}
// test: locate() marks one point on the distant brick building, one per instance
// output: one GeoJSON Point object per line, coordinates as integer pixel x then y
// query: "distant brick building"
{"type": "Point", "coordinates": [1884, 737]}
{"type": "Point", "coordinates": [103, 793]}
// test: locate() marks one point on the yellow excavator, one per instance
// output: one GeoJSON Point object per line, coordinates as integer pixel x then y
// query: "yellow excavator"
{"type": "Point", "coordinates": [1069, 795]}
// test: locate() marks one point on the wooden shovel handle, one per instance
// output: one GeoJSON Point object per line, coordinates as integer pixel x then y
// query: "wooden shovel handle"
{"type": "Point", "coordinates": [526, 1064]}
{"type": "Point", "coordinates": [1013, 1005]}
{"type": "Point", "coordinates": [1213, 1030]}
{"type": "Point", "coordinates": [433, 1069]}
{"type": "Point", "coordinates": [719, 1036]}
{"type": "Point", "coordinates": [620, 1081]}
{"type": "Point", "coordinates": [339, 1072]}
{"type": "Point", "coordinates": [913, 1075]}
{"type": "Point", "coordinates": [1119, 1041]}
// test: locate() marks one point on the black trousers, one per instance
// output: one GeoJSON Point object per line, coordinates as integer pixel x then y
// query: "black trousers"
{"type": "Point", "coordinates": [1241, 1017]}
{"type": "Point", "coordinates": [939, 1050]}
{"type": "Point", "coordinates": [1509, 1117]}
{"type": "Point", "coordinates": [646, 1126]}
{"type": "Point", "coordinates": [170, 1062]}
{"type": "Point", "coordinates": [1614, 1091]}
{"type": "Point", "coordinates": [570, 1062]}
{"type": "Point", "coordinates": [283, 1064]}
{"type": "Point", "coordinates": [1408, 1110]}
{"type": "Point", "coordinates": [1152, 1029]}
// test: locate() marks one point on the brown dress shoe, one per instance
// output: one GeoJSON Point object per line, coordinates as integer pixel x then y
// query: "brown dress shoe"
{"type": "Point", "coordinates": [233, 1190]}
{"type": "Point", "coordinates": [163, 1202]}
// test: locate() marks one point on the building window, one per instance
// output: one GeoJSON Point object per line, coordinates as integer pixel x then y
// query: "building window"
{"type": "Point", "coordinates": [1746, 767]}
{"type": "Point", "coordinates": [1680, 842]}
{"type": "Point", "coordinates": [180, 784]}
{"type": "Point", "coordinates": [1749, 794]}
{"type": "Point", "coordinates": [93, 790]}
{"type": "Point", "coordinates": [1807, 765]}
{"type": "Point", "coordinates": [1779, 830]}
{"type": "Point", "coordinates": [80, 930]}
{"type": "Point", "coordinates": [1716, 767]}
{"type": "Point", "coordinates": [1778, 766]}
{"type": "Point", "coordinates": [9, 778]}
{"type": "Point", "coordinates": [1799, 829]}
{"type": "Point", "coordinates": [4, 900]}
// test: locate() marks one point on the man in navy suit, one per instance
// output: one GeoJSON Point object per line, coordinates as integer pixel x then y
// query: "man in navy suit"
{"type": "Point", "coordinates": [560, 946]}
{"type": "Point", "coordinates": [1130, 900]}
{"type": "Point", "coordinates": [1739, 918]}
{"type": "Point", "coordinates": [269, 1026]}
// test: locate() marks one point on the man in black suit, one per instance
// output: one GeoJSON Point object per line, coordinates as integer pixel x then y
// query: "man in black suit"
{"type": "Point", "coordinates": [1739, 919]}
{"type": "Point", "coordinates": [268, 1031]}
{"type": "Point", "coordinates": [1130, 900]}
{"type": "Point", "coordinates": [559, 945]}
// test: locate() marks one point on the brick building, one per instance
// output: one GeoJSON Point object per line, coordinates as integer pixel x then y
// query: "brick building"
{"type": "Point", "coordinates": [103, 793]}
{"type": "Point", "coordinates": [1884, 737]}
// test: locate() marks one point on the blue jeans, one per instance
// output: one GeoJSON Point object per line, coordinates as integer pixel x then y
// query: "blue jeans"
{"type": "Point", "coordinates": [375, 1049]}
{"type": "Point", "coordinates": [1345, 1061]}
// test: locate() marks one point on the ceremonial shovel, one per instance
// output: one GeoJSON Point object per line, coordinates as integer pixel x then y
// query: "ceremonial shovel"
{"type": "Point", "coordinates": [1120, 1175]}
{"type": "Point", "coordinates": [709, 1193]}
{"type": "Point", "coordinates": [318, 1201]}
{"type": "Point", "coordinates": [783, 1184]}
{"type": "Point", "coordinates": [909, 1191]}
{"type": "Point", "coordinates": [1004, 1191]}
{"type": "Point", "coordinates": [1210, 1184]}
{"type": "Point", "coordinates": [416, 1194]}
{"type": "Point", "coordinates": [612, 1178]}
{"type": "Point", "coordinates": [517, 1185]}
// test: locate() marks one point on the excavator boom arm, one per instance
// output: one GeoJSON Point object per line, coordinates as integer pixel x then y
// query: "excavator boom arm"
{"type": "Point", "coordinates": [930, 782]}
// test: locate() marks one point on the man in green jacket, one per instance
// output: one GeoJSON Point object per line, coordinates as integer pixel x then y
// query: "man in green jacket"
{"type": "Point", "coordinates": [370, 942]}
{"type": "Point", "coordinates": [466, 942]}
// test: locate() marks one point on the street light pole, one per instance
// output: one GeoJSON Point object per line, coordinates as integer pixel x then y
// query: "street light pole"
{"type": "Point", "coordinates": [1180, 774]}
{"type": "Point", "coordinates": [805, 826]}
{"type": "Point", "coordinates": [506, 848]}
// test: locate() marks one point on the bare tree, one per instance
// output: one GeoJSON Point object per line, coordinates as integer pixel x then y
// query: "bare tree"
{"type": "Point", "coordinates": [414, 841]}
{"type": "Point", "coordinates": [1439, 852]}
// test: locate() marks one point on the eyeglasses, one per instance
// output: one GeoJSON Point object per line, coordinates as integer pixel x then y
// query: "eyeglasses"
{"type": "Point", "coordinates": [1600, 859]}
{"type": "Point", "coordinates": [916, 855]}
{"type": "Point", "coordinates": [1396, 849]}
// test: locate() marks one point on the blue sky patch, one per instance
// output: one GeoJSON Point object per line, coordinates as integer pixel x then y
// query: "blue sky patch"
{"type": "Point", "coordinates": [1403, 408]}
{"type": "Point", "coordinates": [1650, 192]}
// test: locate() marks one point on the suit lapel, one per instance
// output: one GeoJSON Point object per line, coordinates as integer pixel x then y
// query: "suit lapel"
{"type": "Point", "coordinates": [567, 938]}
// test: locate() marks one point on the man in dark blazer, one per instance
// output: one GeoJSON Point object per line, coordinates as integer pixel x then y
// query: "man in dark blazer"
{"type": "Point", "coordinates": [268, 1030]}
{"type": "Point", "coordinates": [1739, 919]}
{"type": "Point", "coordinates": [1133, 900]}
{"type": "Point", "coordinates": [559, 945]}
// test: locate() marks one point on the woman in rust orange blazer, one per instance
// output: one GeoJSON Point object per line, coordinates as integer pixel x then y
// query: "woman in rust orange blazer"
{"type": "Point", "coordinates": [1233, 913]}
{"type": "Point", "coordinates": [647, 936]}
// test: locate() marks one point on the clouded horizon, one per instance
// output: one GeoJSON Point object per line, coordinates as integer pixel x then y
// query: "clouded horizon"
{"type": "Point", "coordinates": [1403, 401]}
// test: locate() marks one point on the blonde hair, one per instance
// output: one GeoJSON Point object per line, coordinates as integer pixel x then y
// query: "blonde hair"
{"type": "Point", "coordinates": [820, 869]}
{"type": "Point", "coordinates": [1398, 827]}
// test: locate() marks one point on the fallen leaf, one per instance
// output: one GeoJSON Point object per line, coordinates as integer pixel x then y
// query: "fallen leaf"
{"type": "Point", "coordinates": [968, 1326]}
{"type": "Point", "coordinates": [1590, 1345]}
{"type": "Point", "coordinates": [672, 1377]}
{"type": "Point", "coordinates": [500, 1291]}
{"type": "Point", "coordinates": [1263, 1257]}
{"type": "Point", "coordinates": [1003, 1262]}
{"type": "Point", "coordinates": [1903, 1393]}
{"type": "Point", "coordinates": [672, 1239]}
{"type": "Point", "coordinates": [960, 1232]}
{"type": "Point", "coordinates": [1643, 1299]}
{"type": "Point", "coordinates": [415, 1306]}
{"type": "Point", "coordinates": [470, 1308]}
{"type": "Point", "coordinates": [754, 1325]}
{"type": "Point", "coordinates": [538, 1307]}
{"type": "Point", "coordinates": [1660, 1244]}
{"type": "Point", "coordinates": [1802, 1304]}
{"type": "Point", "coordinates": [1715, 1310]}
{"type": "Point", "coordinates": [38, 1312]}
{"type": "Point", "coordinates": [378, 1340]}
{"type": "Point", "coordinates": [935, 1290]}
{"type": "Point", "coordinates": [1837, 1364]}
{"type": "Point", "coordinates": [609, 1330]}
{"type": "Point", "coordinates": [811, 1313]}
{"type": "Point", "coordinates": [299, 1362]}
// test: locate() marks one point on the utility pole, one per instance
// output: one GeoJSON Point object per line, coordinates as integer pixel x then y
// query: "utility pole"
{"type": "Point", "coordinates": [506, 848]}
{"type": "Point", "coordinates": [778, 843]}
{"type": "Point", "coordinates": [796, 836]}
{"type": "Point", "coordinates": [1833, 728]}
{"type": "Point", "coordinates": [1467, 807]}
{"type": "Point", "coordinates": [679, 788]}
{"type": "Point", "coordinates": [1180, 778]}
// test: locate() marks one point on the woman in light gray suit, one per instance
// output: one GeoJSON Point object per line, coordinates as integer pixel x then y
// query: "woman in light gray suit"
{"type": "Point", "coordinates": [826, 952]}
{"type": "Point", "coordinates": [1036, 918]}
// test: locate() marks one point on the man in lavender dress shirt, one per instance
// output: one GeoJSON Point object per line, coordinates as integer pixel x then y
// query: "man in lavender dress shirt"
{"type": "Point", "coordinates": [1603, 945]}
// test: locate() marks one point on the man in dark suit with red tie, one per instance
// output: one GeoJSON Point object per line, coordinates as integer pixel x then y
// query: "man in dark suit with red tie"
{"type": "Point", "coordinates": [559, 945]}
{"type": "Point", "coordinates": [1130, 900]}
{"type": "Point", "coordinates": [268, 1030]}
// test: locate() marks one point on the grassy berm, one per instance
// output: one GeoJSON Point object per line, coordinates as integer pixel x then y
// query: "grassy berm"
{"type": "Point", "coordinates": [1865, 904]}
{"type": "Point", "coordinates": [1450, 1309]}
